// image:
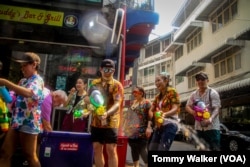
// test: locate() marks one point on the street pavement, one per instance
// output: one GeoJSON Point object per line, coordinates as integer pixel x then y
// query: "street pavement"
{"type": "Point", "coordinates": [176, 146]}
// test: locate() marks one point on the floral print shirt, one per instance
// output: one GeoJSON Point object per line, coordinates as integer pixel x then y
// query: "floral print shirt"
{"type": "Point", "coordinates": [136, 120]}
{"type": "Point", "coordinates": [28, 109]}
{"type": "Point", "coordinates": [112, 92]}
{"type": "Point", "coordinates": [79, 105]}
{"type": "Point", "coordinates": [165, 103]}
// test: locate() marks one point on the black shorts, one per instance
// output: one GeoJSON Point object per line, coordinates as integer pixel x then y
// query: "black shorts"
{"type": "Point", "coordinates": [104, 135]}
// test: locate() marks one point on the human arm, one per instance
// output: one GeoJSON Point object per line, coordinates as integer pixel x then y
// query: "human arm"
{"type": "Point", "coordinates": [190, 110]}
{"type": "Point", "coordinates": [112, 110]}
{"type": "Point", "coordinates": [189, 105]}
{"type": "Point", "coordinates": [215, 104]}
{"type": "Point", "coordinates": [46, 125]}
{"type": "Point", "coordinates": [149, 129]}
{"type": "Point", "coordinates": [174, 106]}
{"type": "Point", "coordinates": [20, 90]}
{"type": "Point", "coordinates": [173, 111]}
{"type": "Point", "coordinates": [70, 96]}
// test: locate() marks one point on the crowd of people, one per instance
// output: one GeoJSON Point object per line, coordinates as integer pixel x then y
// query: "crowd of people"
{"type": "Point", "coordinates": [149, 125]}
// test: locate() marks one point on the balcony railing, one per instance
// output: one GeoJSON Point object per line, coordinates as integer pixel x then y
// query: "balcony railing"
{"type": "Point", "coordinates": [140, 4]}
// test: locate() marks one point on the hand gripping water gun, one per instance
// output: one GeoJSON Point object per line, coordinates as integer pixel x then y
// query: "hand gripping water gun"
{"type": "Point", "coordinates": [79, 113]}
{"type": "Point", "coordinates": [4, 119]}
{"type": "Point", "coordinates": [201, 111]}
{"type": "Point", "coordinates": [97, 100]}
{"type": "Point", "coordinates": [159, 119]}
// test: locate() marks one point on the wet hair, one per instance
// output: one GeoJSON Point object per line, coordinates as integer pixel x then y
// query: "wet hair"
{"type": "Point", "coordinates": [165, 76]}
{"type": "Point", "coordinates": [141, 90]}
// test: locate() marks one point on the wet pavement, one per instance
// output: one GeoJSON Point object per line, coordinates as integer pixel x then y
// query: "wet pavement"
{"type": "Point", "coordinates": [176, 146]}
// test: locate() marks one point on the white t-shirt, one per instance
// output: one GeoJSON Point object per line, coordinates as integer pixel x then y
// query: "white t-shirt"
{"type": "Point", "coordinates": [215, 102]}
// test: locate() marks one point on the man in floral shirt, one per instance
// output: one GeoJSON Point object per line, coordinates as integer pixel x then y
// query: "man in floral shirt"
{"type": "Point", "coordinates": [104, 127]}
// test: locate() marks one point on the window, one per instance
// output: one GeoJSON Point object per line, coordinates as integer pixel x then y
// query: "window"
{"type": "Point", "coordinates": [227, 61]}
{"type": "Point", "coordinates": [179, 79]}
{"type": "Point", "coordinates": [156, 49]}
{"type": "Point", "coordinates": [166, 43]}
{"type": "Point", "coordinates": [152, 49]}
{"type": "Point", "coordinates": [237, 61]}
{"type": "Point", "coordinates": [178, 52]}
{"type": "Point", "coordinates": [193, 40]}
{"type": "Point", "coordinates": [224, 14]}
{"type": "Point", "coordinates": [148, 72]}
{"type": "Point", "coordinates": [191, 77]}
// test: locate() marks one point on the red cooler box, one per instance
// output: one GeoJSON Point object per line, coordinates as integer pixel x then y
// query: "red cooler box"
{"type": "Point", "coordinates": [66, 149]}
{"type": "Point", "coordinates": [121, 151]}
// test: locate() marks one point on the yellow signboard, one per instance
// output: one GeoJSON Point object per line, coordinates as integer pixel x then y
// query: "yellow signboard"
{"type": "Point", "coordinates": [29, 15]}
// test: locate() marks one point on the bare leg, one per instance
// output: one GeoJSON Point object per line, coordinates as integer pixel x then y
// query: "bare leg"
{"type": "Point", "coordinates": [112, 155]}
{"type": "Point", "coordinates": [98, 154]}
{"type": "Point", "coordinates": [8, 147]}
{"type": "Point", "coordinates": [29, 146]}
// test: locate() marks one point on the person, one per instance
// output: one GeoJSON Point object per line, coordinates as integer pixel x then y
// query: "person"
{"type": "Point", "coordinates": [104, 126]}
{"type": "Point", "coordinates": [207, 129]}
{"type": "Point", "coordinates": [163, 115]}
{"type": "Point", "coordinates": [77, 102]}
{"type": "Point", "coordinates": [26, 117]}
{"type": "Point", "coordinates": [52, 99]}
{"type": "Point", "coordinates": [137, 120]}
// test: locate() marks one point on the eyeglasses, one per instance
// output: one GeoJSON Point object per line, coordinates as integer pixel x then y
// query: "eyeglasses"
{"type": "Point", "coordinates": [107, 70]}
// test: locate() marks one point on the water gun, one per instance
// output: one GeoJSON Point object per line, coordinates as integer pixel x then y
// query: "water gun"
{"type": "Point", "coordinates": [4, 98]}
{"type": "Point", "coordinates": [97, 100]}
{"type": "Point", "coordinates": [159, 119]}
{"type": "Point", "coordinates": [79, 113]}
{"type": "Point", "coordinates": [201, 111]}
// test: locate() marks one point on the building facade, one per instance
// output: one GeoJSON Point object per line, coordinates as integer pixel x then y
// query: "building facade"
{"type": "Point", "coordinates": [213, 36]}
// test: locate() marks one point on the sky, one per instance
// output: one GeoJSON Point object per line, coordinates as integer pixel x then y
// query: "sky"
{"type": "Point", "coordinates": [167, 10]}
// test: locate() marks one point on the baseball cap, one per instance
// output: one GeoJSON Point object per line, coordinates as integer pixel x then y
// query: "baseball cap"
{"type": "Point", "coordinates": [201, 75]}
{"type": "Point", "coordinates": [108, 63]}
{"type": "Point", "coordinates": [28, 57]}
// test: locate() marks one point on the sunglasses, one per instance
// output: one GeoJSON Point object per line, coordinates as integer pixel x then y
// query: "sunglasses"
{"type": "Point", "coordinates": [108, 70]}
{"type": "Point", "coordinates": [200, 79]}
{"type": "Point", "coordinates": [136, 92]}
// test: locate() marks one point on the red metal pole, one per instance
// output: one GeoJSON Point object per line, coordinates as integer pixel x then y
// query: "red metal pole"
{"type": "Point", "coordinates": [122, 69]}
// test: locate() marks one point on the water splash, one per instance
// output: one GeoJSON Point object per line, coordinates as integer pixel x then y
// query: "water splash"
{"type": "Point", "coordinates": [191, 136]}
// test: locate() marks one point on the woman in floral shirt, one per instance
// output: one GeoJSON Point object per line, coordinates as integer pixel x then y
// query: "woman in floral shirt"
{"type": "Point", "coordinates": [163, 115]}
{"type": "Point", "coordinates": [136, 125]}
{"type": "Point", "coordinates": [26, 119]}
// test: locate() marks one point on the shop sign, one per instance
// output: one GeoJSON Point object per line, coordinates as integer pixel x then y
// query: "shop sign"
{"type": "Point", "coordinates": [29, 15]}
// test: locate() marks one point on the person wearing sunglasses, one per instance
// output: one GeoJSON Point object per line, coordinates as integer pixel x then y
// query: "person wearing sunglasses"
{"type": "Point", "coordinates": [26, 121]}
{"type": "Point", "coordinates": [208, 128]}
{"type": "Point", "coordinates": [136, 119]}
{"type": "Point", "coordinates": [104, 127]}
